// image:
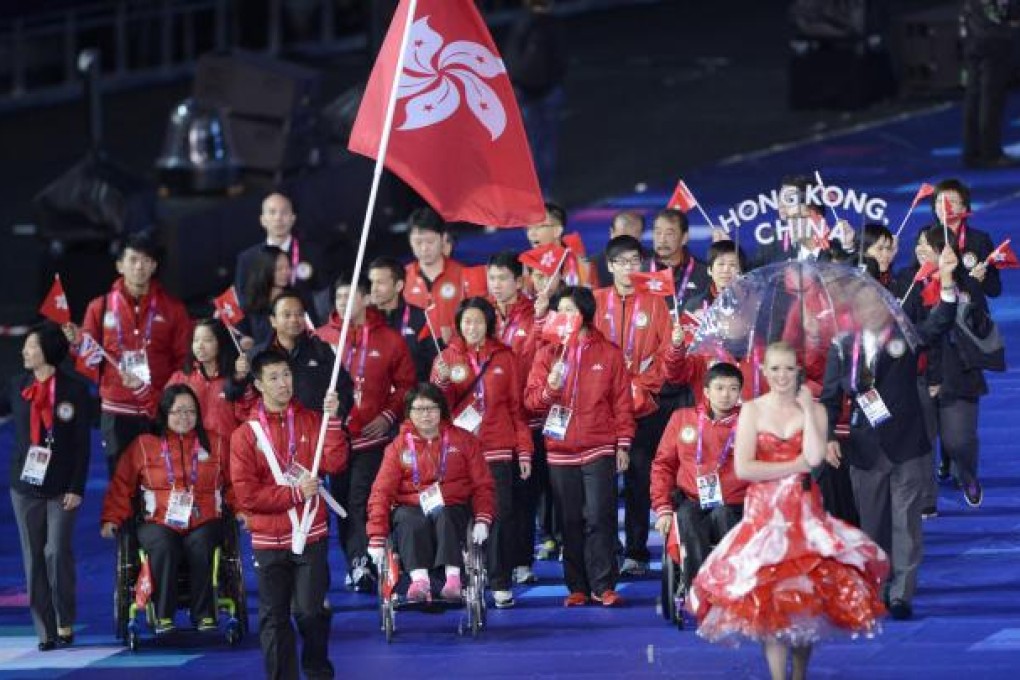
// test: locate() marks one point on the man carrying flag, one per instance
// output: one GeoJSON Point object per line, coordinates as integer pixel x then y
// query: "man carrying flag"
{"type": "Point", "coordinates": [670, 233]}
{"type": "Point", "coordinates": [575, 269]}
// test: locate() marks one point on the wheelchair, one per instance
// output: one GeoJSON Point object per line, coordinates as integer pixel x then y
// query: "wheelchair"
{"type": "Point", "coordinates": [670, 601]}
{"type": "Point", "coordinates": [227, 581]}
{"type": "Point", "coordinates": [393, 585]}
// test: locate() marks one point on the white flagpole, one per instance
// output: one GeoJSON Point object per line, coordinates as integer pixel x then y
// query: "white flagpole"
{"type": "Point", "coordinates": [904, 222]}
{"type": "Point", "coordinates": [821, 187]}
{"type": "Point", "coordinates": [298, 544]}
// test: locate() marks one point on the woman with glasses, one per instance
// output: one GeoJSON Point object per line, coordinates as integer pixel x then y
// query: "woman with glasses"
{"type": "Point", "coordinates": [182, 475]}
{"type": "Point", "coordinates": [49, 465]}
{"type": "Point", "coordinates": [432, 479]}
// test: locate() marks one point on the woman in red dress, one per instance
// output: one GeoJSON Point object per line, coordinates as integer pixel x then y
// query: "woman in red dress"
{"type": "Point", "coordinates": [788, 574]}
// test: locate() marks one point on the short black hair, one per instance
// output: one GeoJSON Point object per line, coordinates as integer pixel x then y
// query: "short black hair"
{"type": "Point", "coordinates": [396, 269]}
{"type": "Point", "coordinates": [507, 259]}
{"type": "Point", "coordinates": [621, 245]}
{"type": "Point", "coordinates": [166, 403]}
{"type": "Point", "coordinates": [951, 184]}
{"type": "Point", "coordinates": [427, 391]}
{"type": "Point", "coordinates": [558, 213]}
{"type": "Point", "coordinates": [874, 232]}
{"type": "Point", "coordinates": [677, 217]}
{"type": "Point", "coordinates": [482, 305]}
{"type": "Point", "coordinates": [286, 294]}
{"type": "Point", "coordinates": [427, 219]}
{"type": "Point", "coordinates": [723, 369]}
{"type": "Point", "coordinates": [141, 242]}
{"type": "Point", "coordinates": [582, 298]}
{"type": "Point", "coordinates": [52, 342]}
{"type": "Point", "coordinates": [344, 279]}
{"type": "Point", "coordinates": [724, 247]}
{"type": "Point", "coordinates": [267, 357]}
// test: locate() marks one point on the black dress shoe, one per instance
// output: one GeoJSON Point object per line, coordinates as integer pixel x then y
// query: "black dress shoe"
{"type": "Point", "coordinates": [66, 639]}
{"type": "Point", "coordinates": [47, 646]}
{"type": "Point", "coordinates": [900, 610]}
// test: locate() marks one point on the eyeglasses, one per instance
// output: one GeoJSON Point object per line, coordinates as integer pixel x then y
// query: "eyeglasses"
{"type": "Point", "coordinates": [634, 262]}
{"type": "Point", "coordinates": [424, 409]}
{"type": "Point", "coordinates": [184, 412]}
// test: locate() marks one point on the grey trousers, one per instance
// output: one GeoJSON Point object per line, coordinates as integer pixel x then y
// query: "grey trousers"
{"type": "Point", "coordinates": [46, 530]}
{"type": "Point", "coordinates": [958, 433]}
{"type": "Point", "coordinates": [889, 502]}
{"type": "Point", "coordinates": [930, 495]}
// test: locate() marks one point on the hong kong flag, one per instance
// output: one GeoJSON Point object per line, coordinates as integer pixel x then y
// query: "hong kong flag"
{"type": "Point", "coordinates": [923, 192]}
{"type": "Point", "coordinates": [1003, 257]}
{"type": "Point", "coordinates": [545, 259]}
{"type": "Point", "coordinates": [54, 307]}
{"type": "Point", "coordinates": [228, 308]}
{"type": "Point", "coordinates": [659, 283]}
{"type": "Point", "coordinates": [457, 136]}
{"type": "Point", "coordinates": [561, 328]}
{"type": "Point", "coordinates": [925, 270]}
{"type": "Point", "coordinates": [682, 198]}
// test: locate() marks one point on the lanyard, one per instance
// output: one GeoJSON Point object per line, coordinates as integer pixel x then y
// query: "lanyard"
{"type": "Point", "coordinates": [856, 358]}
{"type": "Point", "coordinates": [571, 272]}
{"type": "Point", "coordinates": [509, 329]}
{"type": "Point", "coordinates": [415, 475]}
{"type": "Point", "coordinates": [405, 320]}
{"type": "Point", "coordinates": [479, 383]}
{"type": "Point", "coordinates": [683, 284]}
{"type": "Point", "coordinates": [295, 259]}
{"type": "Point", "coordinates": [961, 236]}
{"type": "Point", "coordinates": [360, 374]}
{"type": "Point", "coordinates": [727, 447]}
{"type": "Point", "coordinates": [37, 422]}
{"type": "Point", "coordinates": [117, 297]}
{"type": "Point", "coordinates": [574, 366]}
{"type": "Point", "coordinates": [291, 442]}
{"type": "Point", "coordinates": [164, 448]}
{"type": "Point", "coordinates": [632, 328]}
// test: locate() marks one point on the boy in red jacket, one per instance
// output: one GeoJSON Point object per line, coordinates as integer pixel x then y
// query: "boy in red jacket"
{"type": "Point", "coordinates": [693, 470]}
{"type": "Point", "coordinates": [270, 459]}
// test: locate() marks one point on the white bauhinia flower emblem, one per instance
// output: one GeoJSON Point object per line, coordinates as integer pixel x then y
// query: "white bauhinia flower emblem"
{"type": "Point", "coordinates": [435, 73]}
{"type": "Point", "coordinates": [655, 285]}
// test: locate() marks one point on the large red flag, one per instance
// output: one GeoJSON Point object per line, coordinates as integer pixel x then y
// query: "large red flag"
{"type": "Point", "coordinates": [543, 258]}
{"type": "Point", "coordinates": [1003, 257]}
{"type": "Point", "coordinates": [682, 198]}
{"type": "Point", "coordinates": [228, 307]}
{"type": "Point", "coordinates": [659, 283]}
{"type": "Point", "coordinates": [54, 307]}
{"type": "Point", "coordinates": [457, 136]}
{"type": "Point", "coordinates": [476, 281]}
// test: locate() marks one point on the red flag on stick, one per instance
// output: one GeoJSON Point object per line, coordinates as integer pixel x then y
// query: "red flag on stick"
{"type": "Point", "coordinates": [561, 328]}
{"type": "Point", "coordinates": [574, 243]}
{"type": "Point", "coordinates": [476, 281]}
{"type": "Point", "coordinates": [543, 258]}
{"type": "Point", "coordinates": [926, 270]}
{"type": "Point", "coordinates": [659, 283]}
{"type": "Point", "coordinates": [143, 586]}
{"type": "Point", "coordinates": [923, 192]}
{"type": "Point", "coordinates": [682, 198]}
{"type": "Point", "coordinates": [457, 136]}
{"type": "Point", "coordinates": [1003, 257]}
{"type": "Point", "coordinates": [690, 322]}
{"type": "Point", "coordinates": [54, 306]}
{"type": "Point", "coordinates": [228, 307]}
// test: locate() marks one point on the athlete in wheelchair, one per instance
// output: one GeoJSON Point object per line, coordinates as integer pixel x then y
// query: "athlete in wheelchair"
{"type": "Point", "coordinates": [432, 478]}
{"type": "Point", "coordinates": [180, 536]}
{"type": "Point", "coordinates": [695, 492]}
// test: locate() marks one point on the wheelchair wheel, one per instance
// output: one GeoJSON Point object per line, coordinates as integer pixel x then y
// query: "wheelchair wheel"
{"type": "Point", "coordinates": [388, 621]}
{"type": "Point", "coordinates": [668, 592]}
{"type": "Point", "coordinates": [232, 583]}
{"type": "Point", "coordinates": [133, 638]}
{"type": "Point", "coordinates": [234, 632]}
{"type": "Point", "coordinates": [474, 566]}
{"type": "Point", "coordinates": [124, 581]}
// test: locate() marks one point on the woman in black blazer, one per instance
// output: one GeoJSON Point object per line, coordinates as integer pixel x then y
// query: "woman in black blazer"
{"type": "Point", "coordinates": [50, 460]}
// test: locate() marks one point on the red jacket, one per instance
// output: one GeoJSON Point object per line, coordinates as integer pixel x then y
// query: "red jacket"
{"type": "Point", "coordinates": [675, 465]}
{"type": "Point", "coordinates": [258, 494]}
{"type": "Point", "coordinates": [597, 389]}
{"type": "Point", "coordinates": [384, 378]}
{"type": "Point", "coordinates": [504, 429]}
{"type": "Point", "coordinates": [467, 478]}
{"type": "Point", "coordinates": [514, 331]}
{"type": "Point", "coordinates": [143, 467]}
{"type": "Point", "coordinates": [219, 415]}
{"type": "Point", "coordinates": [638, 324]}
{"type": "Point", "coordinates": [167, 347]}
{"type": "Point", "coordinates": [446, 292]}
{"type": "Point", "coordinates": [684, 368]}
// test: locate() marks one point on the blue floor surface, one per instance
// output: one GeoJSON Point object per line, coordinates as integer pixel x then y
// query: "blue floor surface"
{"type": "Point", "coordinates": [967, 621]}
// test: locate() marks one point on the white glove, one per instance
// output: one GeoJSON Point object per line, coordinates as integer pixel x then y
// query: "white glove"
{"type": "Point", "coordinates": [377, 555]}
{"type": "Point", "coordinates": [480, 533]}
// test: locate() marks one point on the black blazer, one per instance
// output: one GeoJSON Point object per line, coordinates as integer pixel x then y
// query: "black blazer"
{"type": "Point", "coordinates": [69, 466]}
{"type": "Point", "coordinates": [311, 255]}
{"type": "Point", "coordinates": [902, 437]}
{"type": "Point", "coordinates": [419, 342]}
{"type": "Point", "coordinates": [977, 246]}
{"type": "Point", "coordinates": [311, 362]}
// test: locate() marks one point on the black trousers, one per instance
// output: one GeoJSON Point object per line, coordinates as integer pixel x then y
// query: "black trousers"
{"type": "Point", "coordinates": [286, 578]}
{"type": "Point", "coordinates": [424, 542]}
{"type": "Point", "coordinates": [637, 480]}
{"type": "Point", "coordinates": [166, 548]}
{"type": "Point", "coordinates": [118, 432]}
{"type": "Point", "coordinates": [700, 530]}
{"type": "Point", "coordinates": [958, 433]}
{"type": "Point", "coordinates": [351, 489]}
{"type": "Point", "coordinates": [837, 489]}
{"type": "Point", "coordinates": [988, 64]}
{"type": "Point", "coordinates": [528, 495]}
{"type": "Point", "coordinates": [586, 499]}
{"type": "Point", "coordinates": [503, 541]}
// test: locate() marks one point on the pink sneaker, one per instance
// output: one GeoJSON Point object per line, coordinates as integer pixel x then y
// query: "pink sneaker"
{"type": "Point", "coordinates": [419, 591]}
{"type": "Point", "coordinates": [451, 589]}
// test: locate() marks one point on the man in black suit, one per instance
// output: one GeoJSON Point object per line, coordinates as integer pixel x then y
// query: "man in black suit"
{"type": "Point", "coordinates": [888, 444]}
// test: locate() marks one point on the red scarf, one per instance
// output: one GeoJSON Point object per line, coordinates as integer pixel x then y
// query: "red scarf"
{"type": "Point", "coordinates": [38, 395]}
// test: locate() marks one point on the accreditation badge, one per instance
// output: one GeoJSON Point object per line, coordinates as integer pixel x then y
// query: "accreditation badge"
{"type": "Point", "coordinates": [874, 407]}
{"type": "Point", "coordinates": [37, 461]}
{"type": "Point", "coordinates": [406, 458]}
{"type": "Point", "coordinates": [136, 363]}
{"type": "Point", "coordinates": [178, 509]}
{"type": "Point", "coordinates": [557, 422]}
{"type": "Point", "coordinates": [469, 420]}
{"type": "Point", "coordinates": [431, 499]}
{"type": "Point", "coordinates": [709, 491]}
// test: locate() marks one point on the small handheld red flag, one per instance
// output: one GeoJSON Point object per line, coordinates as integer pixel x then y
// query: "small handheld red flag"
{"type": "Point", "coordinates": [923, 192]}
{"type": "Point", "coordinates": [143, 586]}
{"type": "Point", "coordinates": [228, 307]}
{"type": "Point", "coordinates": [1003, 257]}
{"type": "Point", "coordinates": [389, 584]}
{"type": "Point", "coordinates": [476, 281]}
{"type": "Point", "coordinates": [690, 322]}
{"type": "Point", "coordinates": [926, 270]}
{"type": "Point", "coordinates": [87, 357]}
{"type": "Point", "coordinates": [561, 328]}
{"type": "Point", "coordinates": [682, 198]}
{"type": "Point", "coordinates": [574, 243]}
{"type": "Point", "coordinates": [659, 283]}
{"type": "Point", "coordinates": [54, 306]}
{"type": "Point", "coordinates": [543, 258]}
